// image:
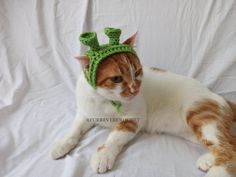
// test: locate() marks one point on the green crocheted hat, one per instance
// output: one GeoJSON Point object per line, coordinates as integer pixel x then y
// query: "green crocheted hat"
{"type": "Point", "coordinates": [99, 52]}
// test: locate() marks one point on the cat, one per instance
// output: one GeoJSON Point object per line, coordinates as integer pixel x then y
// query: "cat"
{"type": "Point", "coordinates": [153, 100]}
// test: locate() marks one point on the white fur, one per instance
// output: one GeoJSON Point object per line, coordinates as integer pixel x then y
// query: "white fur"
{"type": "Point", "coordinates": [131, 68]}
{"type": "Point", "coordinates": [71, 139]}
{"type": "Point", "coordinates": [209, 132]}
{"type": "Point", "coordinates": [218, 171]}
{"type": "Point", "coordinates": [113, 94]}
{"type": "Point", "coordinates": [104, 160]}
{"type": "Point", "coordinates": [205, 162]}
{"type": "Point", "coordinates": [160, 106]}
{"type": "Point", "coordinates": [168, 97]}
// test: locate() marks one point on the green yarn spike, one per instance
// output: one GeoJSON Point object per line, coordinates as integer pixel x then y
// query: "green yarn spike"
{"type": "Point", "coordinates": [90, 39]}
{"type": "Point", "coordinates": [114, 35]}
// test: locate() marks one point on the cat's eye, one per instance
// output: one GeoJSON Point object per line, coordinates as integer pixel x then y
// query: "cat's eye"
{"type": "Point", "coordinates": [117, 79]}
{"type": "Point", "coordinates": [138, 72]}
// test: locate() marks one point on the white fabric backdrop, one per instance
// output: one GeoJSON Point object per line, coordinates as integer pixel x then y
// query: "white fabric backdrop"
{"type": "Point", "coordinates": [38, 39]}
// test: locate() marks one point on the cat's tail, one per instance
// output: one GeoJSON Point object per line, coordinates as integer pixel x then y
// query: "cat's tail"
{"type": "Point", "coordinates": [233, 107]}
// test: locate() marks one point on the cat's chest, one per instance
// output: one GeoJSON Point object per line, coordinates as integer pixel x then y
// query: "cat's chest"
{"type": "Point", "coordinates": [104, 113]}
{"type": "Point", "coordinates": [99, 112]}
{"type": "Point", "coordinates": [93, 108]}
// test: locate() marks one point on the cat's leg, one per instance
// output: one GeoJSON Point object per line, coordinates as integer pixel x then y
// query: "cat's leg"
{"type": "Point", "coordinates": [211, 123]}
{"type": "Point", "coordinates": [79, 127]}
{"type": "Point", "coordinates": [106, 154]}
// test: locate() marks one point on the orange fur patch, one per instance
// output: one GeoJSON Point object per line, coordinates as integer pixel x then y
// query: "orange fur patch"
{"type": "Point", "coordinates": [208, 111]}
{"type": "Point", "coordinates": [101, 148]}
{"type": "Point", "coordinates": [106, 70]}
{"type": "Point", "coordinates": [127, 125]}
{"type": "Point", "coordinates": [157, 69]}
{"type": "Point", "coordinates": [233, 107]}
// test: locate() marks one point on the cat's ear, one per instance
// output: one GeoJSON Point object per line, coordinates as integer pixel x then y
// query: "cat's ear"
{"type": "Point", "coordinates": [131, 40]}
{"type": "Point", "coordinates": [84, 61]}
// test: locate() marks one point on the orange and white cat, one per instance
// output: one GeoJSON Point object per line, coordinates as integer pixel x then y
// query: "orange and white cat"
{"type": "Point", "coordinates": [153, 100]}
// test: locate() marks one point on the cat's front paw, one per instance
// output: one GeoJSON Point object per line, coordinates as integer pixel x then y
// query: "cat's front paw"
{"type": "Point", "coordinates": [205, 162]}
{"type": "Point", "coordinates": [103, 160]}
{"type": "Point", "coordinates": [63, 147]}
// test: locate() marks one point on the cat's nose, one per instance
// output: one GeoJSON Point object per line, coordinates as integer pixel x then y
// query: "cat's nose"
{"type": "Point", "coordinates": [134, 90]}
{"type": "Point", "coordinates": [133, 87]}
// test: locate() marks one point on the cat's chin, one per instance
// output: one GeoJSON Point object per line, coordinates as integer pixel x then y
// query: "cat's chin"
{"type": "Point", "coordinates": [127, 99]}
{"type": "Point", "coordinates": [123, 99]}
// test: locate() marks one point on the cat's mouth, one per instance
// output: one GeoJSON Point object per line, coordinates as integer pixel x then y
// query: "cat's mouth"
{"type": "Point", "coordinates": [130, 96]}
{"type": "Point", "coordinates": [127, 93]}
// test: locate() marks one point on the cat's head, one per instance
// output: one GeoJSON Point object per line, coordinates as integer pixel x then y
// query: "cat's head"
{"type": "Point", "coordinates": [118, 76]}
